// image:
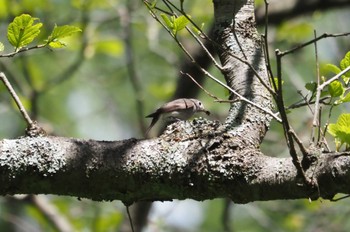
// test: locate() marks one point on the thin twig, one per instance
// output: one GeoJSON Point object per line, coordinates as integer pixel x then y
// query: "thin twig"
{"type": "Point", "coordinates": [217, 65]}
{"type": "Point", "coordinates": [318, 83]}
{"type": "Point", "coordinates": [17, 100]}
{"type": "Point", "coordinates": [244, 61]}
{"type": "Point", "coordinates": [48, 209]}
{"type": "Point", "coordinates": [201, 87]}
{"type": "Point", "coordinates": [319, 90]}
{"type": "Point", "coordinates": [266, 46]}
{"type": "Point", "coordinates": [130, 219]}
{"type": "Point", "coordinates": [286, 127]}
{"type": "Point", "coordinates": [325, 35]}
{"type": "Point", "coordinates": [12, 54]}
{"type": "Point", "coordinates": [299, 142]}
{"type": "Point", "coordinates": [307, 103]}
{"type": "Point", "coordinates": [240, 97]}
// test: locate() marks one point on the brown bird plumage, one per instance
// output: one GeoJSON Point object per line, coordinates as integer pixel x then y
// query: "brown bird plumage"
{"type": "Point", "coordinates": [179, 109]}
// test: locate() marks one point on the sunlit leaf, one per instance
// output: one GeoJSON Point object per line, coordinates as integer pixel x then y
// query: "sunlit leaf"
{"type": "Point", "coordinates": [167, 21]}
{"type": "Point", "coordinates": [60, 32]}
{"type": "Point", "coordinates": [336, 89]}
{"type": "Point", "coordinates": [196, 30]}
{"type": "Point", "coordinates": [57, 44]}
{"type": "Point", "coordinates": [175, 24]}
{"type": "Point", "coordinates": [344, 63]}
{"type": "Point", "coordinates": [341, 129]}
{"type": "Point", "coordinates": [332, 68]}
{"type": "Point", "coordinates": [153, 4]}
{"type": "Point", "coordinates": [346, 98]}
{"type": "Point", "coordinates": [1, 47]}
{"type": "Point", "coordinates": [181, 22]}
{"type": "Point", "coordinates": [23, 30]}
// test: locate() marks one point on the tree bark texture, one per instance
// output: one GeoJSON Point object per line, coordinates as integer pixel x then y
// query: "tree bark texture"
{"type": "Point", "coordinates": [199, 160]}
{"type": "Point", "coordinates": [198, 166]}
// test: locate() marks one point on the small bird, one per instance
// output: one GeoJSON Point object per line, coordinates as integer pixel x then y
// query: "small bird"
{"type": "Point", "coordinates": [179, 109]}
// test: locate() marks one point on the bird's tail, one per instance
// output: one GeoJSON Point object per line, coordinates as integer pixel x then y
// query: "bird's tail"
{"type": "Point", "coordinates": [154, 120]}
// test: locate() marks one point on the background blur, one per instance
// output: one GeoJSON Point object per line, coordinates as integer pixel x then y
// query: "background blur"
{"type": "Point", "coordinates": [119, 69]}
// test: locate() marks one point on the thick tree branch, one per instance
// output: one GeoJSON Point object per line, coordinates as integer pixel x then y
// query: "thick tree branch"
{"type": "Point", "coordinates": [195, 164]}
{"type": "Point", "coordinates": [199, 160]}
{"type": "Point", "coordinates": [237, 36]}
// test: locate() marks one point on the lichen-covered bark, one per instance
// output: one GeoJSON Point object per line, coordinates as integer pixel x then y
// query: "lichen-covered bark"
{"type": "Point", "coordinates": [199, 160]}
{"type": "Point", "coordinates": [199, 164]}
{"type": "Point", "coordinates": [236, 36]}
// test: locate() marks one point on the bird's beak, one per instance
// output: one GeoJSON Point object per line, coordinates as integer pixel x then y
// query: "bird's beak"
{"type": "Point", "coordinates": [207, 112]}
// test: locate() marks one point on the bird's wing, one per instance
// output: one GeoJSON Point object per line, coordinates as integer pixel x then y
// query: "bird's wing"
{"type": "Point", "coordinates": [176, 105]}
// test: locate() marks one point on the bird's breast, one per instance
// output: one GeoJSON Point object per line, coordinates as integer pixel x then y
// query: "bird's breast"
{"type": "Point", "coordinates": [178, 115]}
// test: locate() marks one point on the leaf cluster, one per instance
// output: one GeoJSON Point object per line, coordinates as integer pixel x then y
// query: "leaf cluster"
{"type": "Point", "coordinates": [175, 24]}
{"type": "Point", "coordinates": [338, 92]}
{"type": "Point", "coordinates": [337, 88]}
{"type": "Point", "coordinates": [25, 28]}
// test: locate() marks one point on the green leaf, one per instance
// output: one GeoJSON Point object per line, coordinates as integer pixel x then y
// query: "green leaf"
{"type": "Point", "coordinates": [57, 44]}
{"type": "Point", "coordinates": [196, 30]}
{"type": "Point", "coordinates": [332, 68]}
{"type": "Point", "coordinates": [333, 128]}
{"type": "Point", "coordinates": [2, 47]}
{"type": "Point", "coordinates": [311, 86]}
{"type": "Point", "coordinates": [344, 63]}
{"type": "Point", "coordinates": [336, 89]}
{"type": "Point", "coordinates": [167, 21]}
{"type": "Point", "coordinates": [180, 23]}
{"type": "Point", "coordinates": [346, 98]}
{"type": "Point", "coordinates": [153, 4]}
{"type": "Point", "coordinates": [23, 30]}
{"type": "Point", "coordinates": [60, 32]}
{"type": "Point", "coordinates": [341, 129]}
{"type": "Point", "coordinates": [175, 24]}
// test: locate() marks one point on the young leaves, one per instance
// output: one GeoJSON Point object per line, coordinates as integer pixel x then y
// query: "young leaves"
{"type": "Point", "coordinates": [344, 63]}
{"type": "Point", "coordinates": [336, 89]}
{"type": "Point", "coordinates": [341, 130]}
{"type": "Point", "coordinates": [60, 32]}
{"type": "Point", "coordinates": [23, 31]}
{"type": "Point", "coordinates": [175, 24]}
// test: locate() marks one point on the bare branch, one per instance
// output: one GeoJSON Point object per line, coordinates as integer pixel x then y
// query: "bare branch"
{"type": "Point", "coordinates": [319, 90]}
{"type": "Point", "coordinates": [16, 99]}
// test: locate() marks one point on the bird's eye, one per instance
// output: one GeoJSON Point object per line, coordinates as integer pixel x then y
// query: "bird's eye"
{"type": "Point", "coordinates": [200, 103]}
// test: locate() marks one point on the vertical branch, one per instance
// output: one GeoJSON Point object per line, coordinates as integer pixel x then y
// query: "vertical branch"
{"type": "Point", "coordinates": [316, 124]}
{"type": "Point", "coordinates": [288, 133]}
{"type": "Point", "coordinates": [17, 100]}
{"type": "Point", "coordinates": [266, 49]}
